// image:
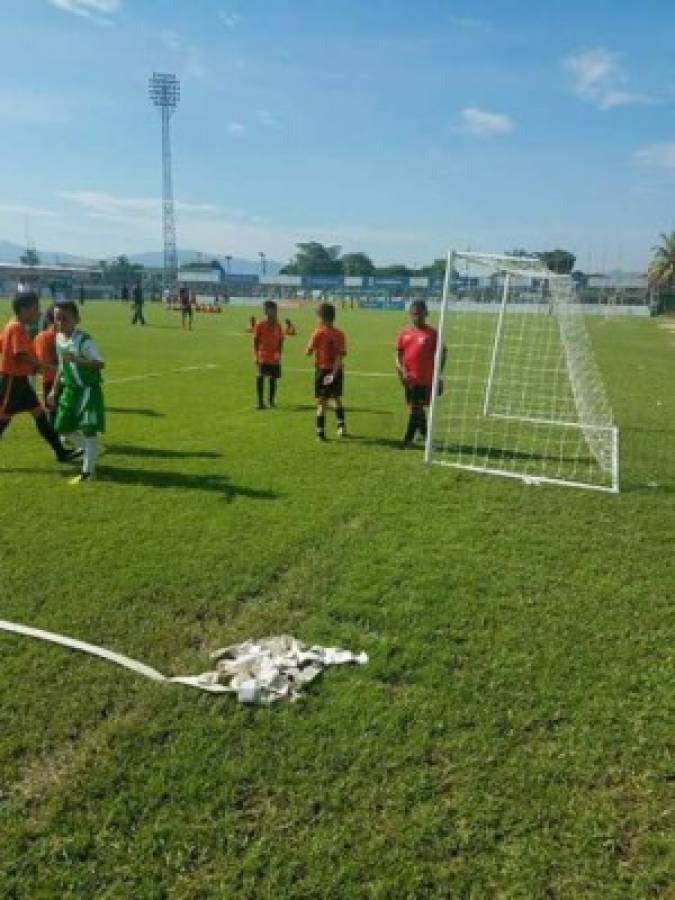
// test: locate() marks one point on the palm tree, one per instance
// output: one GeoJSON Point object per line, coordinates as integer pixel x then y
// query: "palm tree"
{"type": "Point", "coordinates": [662, 266]}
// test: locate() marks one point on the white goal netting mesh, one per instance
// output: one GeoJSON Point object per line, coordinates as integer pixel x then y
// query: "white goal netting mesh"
{"type": "Point", "coordinates": [521, 394]}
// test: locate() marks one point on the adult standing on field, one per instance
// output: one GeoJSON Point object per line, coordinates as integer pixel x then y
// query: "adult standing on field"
{"type": "Point", "coordinates": [185, 308]}
{"type": "Point", "coordinates": [137, 305]}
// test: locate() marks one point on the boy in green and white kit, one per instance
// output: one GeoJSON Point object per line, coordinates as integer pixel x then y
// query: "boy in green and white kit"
{"type": "Point", "coordinates": [80, 413]}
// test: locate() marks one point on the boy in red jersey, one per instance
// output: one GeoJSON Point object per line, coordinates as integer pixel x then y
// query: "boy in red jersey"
{"type": "Point", "coordinates": [329, 347]}
{"type": "Point", "coordinates": [268, 342]}
{"type": "Point", "coordinates": [415, 358]}
{"type": "Point", "coordinates": [18, 363]}
{"type": "Point", "coordinates": [45, 351]}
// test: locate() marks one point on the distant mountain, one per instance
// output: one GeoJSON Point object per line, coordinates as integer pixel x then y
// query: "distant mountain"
{"type": "Point", "coordinates": [12, 253]}
{"type": "Point", "coordinates": [238, 266]}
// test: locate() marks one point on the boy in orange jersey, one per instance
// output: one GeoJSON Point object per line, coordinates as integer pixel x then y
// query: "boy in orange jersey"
{"type": "Point", "coordinates": [18, 363]}
{"type": "Point", "coordinates": [329, 347]}
{"type": "Point", "coordinates": [268, 342]}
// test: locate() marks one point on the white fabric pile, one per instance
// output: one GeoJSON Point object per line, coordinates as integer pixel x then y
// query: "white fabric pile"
{"type": "Point", "coordinates": [263, 671]}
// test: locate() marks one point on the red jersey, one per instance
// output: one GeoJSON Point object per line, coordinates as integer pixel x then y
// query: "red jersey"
{"type": "Point", "coordinates": [417, 349]}
{"type": "Point", "coordinates": [268, 340]}
{"type": "Point", "coordinates": [45, 350]}
{"type": "Point", "coordinates": [15, 340]}
{"type": "Point", "coordinates": [328, 345]}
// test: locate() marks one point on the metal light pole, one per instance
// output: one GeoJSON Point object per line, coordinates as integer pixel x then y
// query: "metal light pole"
{"type": "Point", "coordinates": [263, 265]}
{"type": "Point", "coordinates": [165, 94]}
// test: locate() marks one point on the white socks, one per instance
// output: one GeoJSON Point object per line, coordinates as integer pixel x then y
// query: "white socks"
{"type": "Point", "coordinates": [90, 454]}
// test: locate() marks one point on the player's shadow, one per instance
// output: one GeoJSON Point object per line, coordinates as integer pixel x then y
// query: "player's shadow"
{"type": "Point", "coordinates": [496, 455]}
{"type": "Point", "coordinates": [350, 409]}
{"type": "Point", "coordinates": [133, 411]}
{"type": "Point", "coordinates": [389, 443]}
{"type": "Point", "coordinates": [214, 484]}
{"type": "Point", "coordinates": [158, 452]}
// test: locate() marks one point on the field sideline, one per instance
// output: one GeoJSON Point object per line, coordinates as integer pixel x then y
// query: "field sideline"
{"type": "Point", "coordinates": [512, 735]}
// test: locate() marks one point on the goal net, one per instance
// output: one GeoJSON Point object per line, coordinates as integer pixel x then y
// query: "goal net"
{"type": "Point", "coordinates": [520, 394]}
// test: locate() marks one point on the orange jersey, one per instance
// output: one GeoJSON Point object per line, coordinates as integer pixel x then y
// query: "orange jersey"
{"type": "Point", "coordinates": [328, 345]}
{"type": "Point", "coordinates": [15, 340]}
{"type": "Point", "coordinates": [268, 341]}
{"type": "Point", "coordinates": [45, 350]}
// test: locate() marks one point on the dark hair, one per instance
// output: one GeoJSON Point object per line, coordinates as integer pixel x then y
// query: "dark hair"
{"type": "Point", "coordinates": [419, 306]}
{"type": "Point", "coordinates": [24, 300]}
{"type": "Point", "coordinates": [269, 304]}
{"type": "Point", "coordinates": [48, 318]}
{"type": "Point", "coordinates": [326, 312]}
{"type": "Point", "coordinates": [71, 307]}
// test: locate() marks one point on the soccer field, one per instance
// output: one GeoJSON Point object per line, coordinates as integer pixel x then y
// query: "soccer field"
{"type": "Point", "coordinates": [512, 734]}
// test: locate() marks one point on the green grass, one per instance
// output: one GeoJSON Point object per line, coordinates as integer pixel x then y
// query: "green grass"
{"type": "Point", "coordinates": [512, 735]}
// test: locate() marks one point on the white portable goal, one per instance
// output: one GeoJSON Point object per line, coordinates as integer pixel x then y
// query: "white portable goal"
{"type": "Point", "coordinates": [520, 394]}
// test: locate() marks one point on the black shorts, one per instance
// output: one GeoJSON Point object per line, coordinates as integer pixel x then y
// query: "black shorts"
{"type": "Point", "coordinates": [17, 396]}
{"type": "Point", "coordinates": [271, 370]}
{"type": "Point", "coordinates": [418, 394]}
{"type": "Point", "coordinates": [186, 312]}
{"type": "Point", "coordinates": [328, 391]}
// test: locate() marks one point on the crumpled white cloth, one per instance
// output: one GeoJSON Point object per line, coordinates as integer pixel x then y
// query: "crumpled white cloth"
{"type": "Point", "coordinates": [270, 669]}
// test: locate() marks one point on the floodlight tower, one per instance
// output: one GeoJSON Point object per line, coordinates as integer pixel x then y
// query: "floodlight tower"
{"type": "Point", "coordinates": [165, 94]}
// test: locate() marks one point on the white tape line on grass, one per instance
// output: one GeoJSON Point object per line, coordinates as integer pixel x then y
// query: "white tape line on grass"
{"type": "Point", "coordinates": [306, 371]}
{"type": "Point", "coordinates": [118, 658]}
{"type": "Point", "coordinates": [129, 378]}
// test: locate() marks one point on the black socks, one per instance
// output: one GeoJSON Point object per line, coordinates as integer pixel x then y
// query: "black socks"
{"type": "Point", "coordinates": [49, 435]}
{"type": "Point", "coordinates": [320, 424]}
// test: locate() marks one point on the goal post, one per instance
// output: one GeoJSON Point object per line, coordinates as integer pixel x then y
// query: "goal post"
{"type": "Point", "coordinates": [523, 396]}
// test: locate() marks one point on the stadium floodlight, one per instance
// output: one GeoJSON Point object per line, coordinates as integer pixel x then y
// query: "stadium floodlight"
{"type": "Point", "coordinates": [522, 395]}
{"type": "Point", "coordinates": [164, 92]}
{"type": "Point", "coordinates": [263, 262]}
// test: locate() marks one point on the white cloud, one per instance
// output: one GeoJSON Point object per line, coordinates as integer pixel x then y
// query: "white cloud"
{"type": "Point", "coordinates": [236, 129]}
{"type": "Point", "coordinates": [467, 23]}
{"type": "Point", "coordinates": [659, 155]}
{"type": "Point", "coordinates": [95, 10]}
{"type": "Point", "coordinates": [599, 79]}
{"type": "Point", "coordinates": [228, 19]}
{"type": "Point", "coordinates": [20, 209]}
{"type": "Point", "coordinates": [266, 118]}
{"type": "Point", "coordinates": [28, 108]}
{"type": "Point", "coordinates": [191, 56]}
{"type": "Point", "coordinates": [482, 123]}
{"type": "Point", "coordinates": [102, 204]}
{"type": "Point", "coordinates": [170, 39]}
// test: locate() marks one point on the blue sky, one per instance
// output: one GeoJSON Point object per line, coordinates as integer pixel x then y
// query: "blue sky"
{"type": "Point", "coordinates": [398, 128]}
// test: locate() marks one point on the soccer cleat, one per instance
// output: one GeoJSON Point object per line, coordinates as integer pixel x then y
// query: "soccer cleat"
{"type": "Point", "coordinates": [71, 455]}
{"type": "Point", "coordinates": [342, 431]}
{"type": "Point", "coordinates": [82, 478]}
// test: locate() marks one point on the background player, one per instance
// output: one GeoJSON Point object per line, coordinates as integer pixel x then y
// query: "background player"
{"type": "Point", "coordinates": [329, 347]}
{"type": "Point", "coordinates": [415, 356]}
{"type": "Point", "coordinates": [185, 308]}
{"type": "Point", "coordinates": [268, 343]}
